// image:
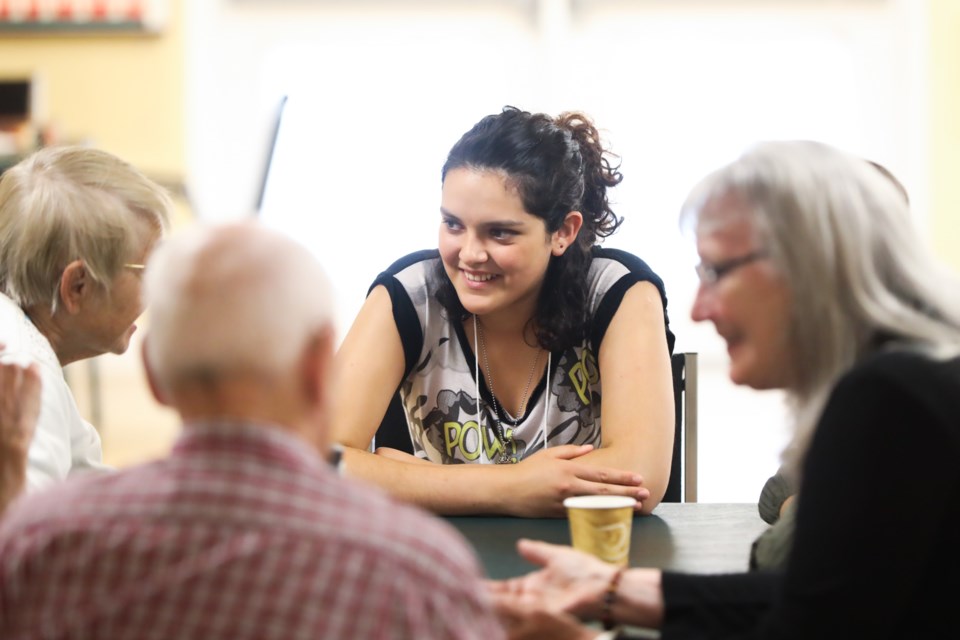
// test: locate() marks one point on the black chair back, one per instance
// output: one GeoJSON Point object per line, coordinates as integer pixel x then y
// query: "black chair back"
{"type": "Point", "coordinates": [682, 486]}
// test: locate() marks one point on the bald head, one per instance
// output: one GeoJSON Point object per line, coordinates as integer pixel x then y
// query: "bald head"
{"type": "Point", "coordinates": [232, 300]}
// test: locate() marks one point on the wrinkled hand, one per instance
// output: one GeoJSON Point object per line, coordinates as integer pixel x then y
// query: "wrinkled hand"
{"type": "Point", "coordinates": [545, 479]}
{"type": "Point", "coordinates": [19, 405]}
{"type": "Point", "coordinates": [571, 581]}
{"type": "Point", "coordinates": [19, 410]}
{"type": "Point", "coordinates": [523, 619]}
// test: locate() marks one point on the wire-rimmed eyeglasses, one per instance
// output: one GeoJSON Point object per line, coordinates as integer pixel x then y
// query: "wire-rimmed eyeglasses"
{"type": "Point", "coordinates": [710, 273]}
{"type": "Point", "coordinates": [135, 266]}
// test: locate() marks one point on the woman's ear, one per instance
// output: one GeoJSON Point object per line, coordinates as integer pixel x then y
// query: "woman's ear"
{"type": "Point", "coordinates": [567, 233]}
{"type": "Point", "coordinates": [75, 283]}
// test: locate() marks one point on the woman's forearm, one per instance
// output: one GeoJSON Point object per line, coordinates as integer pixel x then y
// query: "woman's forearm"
{"type": "Point", "coordinates": [13, 473]}
{"type": "Point", "coordinates": [639, 599]}
{"type": "Point", "coordinates": [654, 469]}
{"type": "Point", "coordinates": [443, 489]}
{"type": "Point", "coordinates": [533, 488]}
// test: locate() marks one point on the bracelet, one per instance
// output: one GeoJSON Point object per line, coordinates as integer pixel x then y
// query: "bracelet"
{"type": "Point", "coordinates": [335, 457]}
{"type": "Point", "coordinates": [609, 597]}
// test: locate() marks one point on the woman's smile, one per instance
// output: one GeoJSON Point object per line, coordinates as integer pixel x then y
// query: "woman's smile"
{"type": "Point", "coordinates": [477, 277]}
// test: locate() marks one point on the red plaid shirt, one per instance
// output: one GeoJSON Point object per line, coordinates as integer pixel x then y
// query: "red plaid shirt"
{"type": "Point", "coordinates": [243, 532]}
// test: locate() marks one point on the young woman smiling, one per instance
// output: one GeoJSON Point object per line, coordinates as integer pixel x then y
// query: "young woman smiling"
{"type": "Point", "coordinates": [503, 342]}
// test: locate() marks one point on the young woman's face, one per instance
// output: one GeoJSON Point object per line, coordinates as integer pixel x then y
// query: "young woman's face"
{"type": "Point", "coordinates": [495, 253]}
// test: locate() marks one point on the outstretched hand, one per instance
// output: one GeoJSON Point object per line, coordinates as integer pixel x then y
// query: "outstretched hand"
{"type": "Point", "coordinates": [571, 581]}
{"type": "Point", "coordinates": [545, 479]}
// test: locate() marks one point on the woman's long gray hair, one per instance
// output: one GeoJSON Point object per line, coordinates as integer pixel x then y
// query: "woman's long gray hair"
{"type": "Point", "coordinates": [841, 234]}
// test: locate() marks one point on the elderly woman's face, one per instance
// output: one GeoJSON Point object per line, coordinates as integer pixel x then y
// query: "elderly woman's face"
{"type": "Point", "coordinates": [743, 295]}
{"type": "Point", "coordinates": [110, 322]}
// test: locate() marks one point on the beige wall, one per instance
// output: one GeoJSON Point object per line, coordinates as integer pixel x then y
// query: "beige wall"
{"type": "Point", "coordinates": [125, 93]}
{"type": "Point", "coordinates": [945, 129]}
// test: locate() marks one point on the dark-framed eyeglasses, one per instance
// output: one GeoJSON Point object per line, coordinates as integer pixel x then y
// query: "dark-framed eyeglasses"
{"type": "Point", "coordinates": [710, 273]}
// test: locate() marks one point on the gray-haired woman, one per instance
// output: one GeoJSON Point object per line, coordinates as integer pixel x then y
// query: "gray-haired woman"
{"type": "Point", "coordinates": [813, 274]}
{"type": "Point", "coordinates": [76, 227]}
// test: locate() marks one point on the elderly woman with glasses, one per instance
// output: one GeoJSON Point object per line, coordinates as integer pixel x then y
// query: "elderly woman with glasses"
{"type": "Point", "coordinates": [76, 226]}
{"type": "Point", "coordinates": [819, 284]}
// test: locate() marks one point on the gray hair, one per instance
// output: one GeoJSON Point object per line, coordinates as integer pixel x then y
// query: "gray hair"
{"type": "Point", "coordinates": [231, 299]}
{"type": "Point", "coordinates": [840, 233]}
{"type": "Point", "coordinates": [67, 203]}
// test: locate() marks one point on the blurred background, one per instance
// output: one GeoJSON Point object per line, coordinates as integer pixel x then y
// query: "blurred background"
{"type": "Point", "coordinates": [378, 90]}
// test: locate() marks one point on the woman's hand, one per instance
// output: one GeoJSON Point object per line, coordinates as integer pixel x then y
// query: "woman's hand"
{"type": "Point", "coordinates": [19, 410]}
{"type": "Point", "coordinates": [542, 482]}
{"type": "Point", "coordinates": [571, 581]}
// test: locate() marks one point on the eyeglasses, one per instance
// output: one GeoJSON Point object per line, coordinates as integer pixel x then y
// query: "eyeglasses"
{"type": "Point", "coordinates": [711, 273]}
{"type": "Point", "coordinates": [136, 267]}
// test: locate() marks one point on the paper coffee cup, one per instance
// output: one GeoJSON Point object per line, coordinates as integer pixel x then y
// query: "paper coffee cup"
{"type": "Point", "coordinates": [600, 525]}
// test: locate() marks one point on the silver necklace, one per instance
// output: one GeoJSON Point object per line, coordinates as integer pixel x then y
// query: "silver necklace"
{"type": "Point", "coordinates": [501, 434]}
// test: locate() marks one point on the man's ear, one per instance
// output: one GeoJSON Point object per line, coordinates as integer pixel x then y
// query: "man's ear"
{"type": "Point", "coordinates": [566, 235]}
{"type": "Point", "coordinates": [155, 388]}
{"type": "Point", "coordinates": [316, 362]}
{"type": "Point", "coordinates": [75, 283]}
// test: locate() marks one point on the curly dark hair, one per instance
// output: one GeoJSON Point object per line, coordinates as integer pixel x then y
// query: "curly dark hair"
{"type": "Point", "coordinates": [557, 165]}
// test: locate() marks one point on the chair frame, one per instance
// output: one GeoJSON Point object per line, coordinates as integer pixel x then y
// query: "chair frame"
{"type": "Point", "coordinates": [682, 486]}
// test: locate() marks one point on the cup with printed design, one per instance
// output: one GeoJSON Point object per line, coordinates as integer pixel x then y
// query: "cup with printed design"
{"type": "Point", "coordinates": [601, 526]}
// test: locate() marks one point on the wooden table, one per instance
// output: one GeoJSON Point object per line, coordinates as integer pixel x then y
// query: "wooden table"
{"type": "Point", "coordinates": [692, 537]}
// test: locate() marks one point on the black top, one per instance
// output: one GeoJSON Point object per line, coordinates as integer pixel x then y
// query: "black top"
{"type": "Point", "coordinates": [877, 546]}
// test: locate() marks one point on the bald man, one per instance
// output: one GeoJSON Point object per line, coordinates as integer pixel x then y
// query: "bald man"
{"type": "Point", "coordinates": [243, 531]}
